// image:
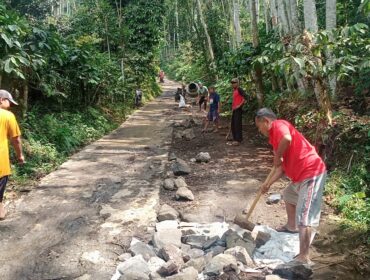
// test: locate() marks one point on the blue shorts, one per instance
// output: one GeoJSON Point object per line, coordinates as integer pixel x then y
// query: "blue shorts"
{"type": "Point", "coordinates": [212, 116]}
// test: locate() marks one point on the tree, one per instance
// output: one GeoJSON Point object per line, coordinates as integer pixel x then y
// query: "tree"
{"type": "Point", "coordinates": [331, 23]}
{"type": "Point", "coordinates": [310, 16]}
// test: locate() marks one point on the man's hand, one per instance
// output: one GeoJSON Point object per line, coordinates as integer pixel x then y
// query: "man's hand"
{"type": "Point", "coordinates": [265, 188]}
{"type": "Point", "coordinates": [21, 160]}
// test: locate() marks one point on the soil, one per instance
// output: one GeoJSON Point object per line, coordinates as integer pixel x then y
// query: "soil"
{"type": "Point", "coordinates": [82, 216]}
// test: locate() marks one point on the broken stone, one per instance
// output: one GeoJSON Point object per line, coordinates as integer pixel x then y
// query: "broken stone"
{"type": "Point", "coordinates": [155, 263]}
{"type": "Point", "coordinates": [140, 248]}
{"type": "Point", "coordinates": [166, 212]}
{"type": "Point", "coordinates": [203, 157]}
{"type": "Point", "coordinates": [216, 266]}
{"type": "Point", "coordinates": [195, 241]}
{"type": "Point", "coordinates": [188, 134]}
{"type": "Point", "coordinates": [134, 275]}
{"type": "Point", "coordinates": [198, 263]}
{"type": "Point", "coordinates": [168, 269]}
{"type": "Point", "coordinates": [124, 257]}
{"type": "Point", "coordinates": [172, 156]}
{"type": "Point", "coordinates": [262, 238]}
{"type": "Point", "coordinates": [188, 231]}
{"type": "Point", "coordinates": [169, 184]}
{"type": "Point", "coordinates": [274, 198]}
{"type": "Point", "coordinates": [192, 160]}
{"type": "Point", "coordinates": [178, 134]}
{"type": "Point", "coordinates": [233, 240]}
{"type": "Point", "coordinates": [189, 273]}
{"type": "Point", "coordinates": [180, 183]}
{"type": "Point", "coordinates": [195, 253]}
{"type": "Point", "coordinates": [216, 250]}
{"type": "Point", "coordinates": [166, 224]}
{"type": "Point", "coordinates": [240, 255]}
{"type": "Point", "coordinates": [180, 167]}
{"type": "Point", "coordinates": [170, 252]}
{"type": "Point", "coordinates": [293, 271]}
{"type": "Point", "coordinates": [272, 277]}
{"type": "Point", "coordinates": [211, 242]}
{"type": "Point", "coordinates": [170, 236]}
{"type": "Point", "coordinates": [184, 193]}
{"type": "Point", "coordinates": [136, 263]}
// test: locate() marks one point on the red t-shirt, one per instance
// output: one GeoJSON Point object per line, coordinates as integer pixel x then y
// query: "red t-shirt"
{"type": "Point", "coordinates": [300, 160]}
{"type": "Point", "coordinates": [237, 99]}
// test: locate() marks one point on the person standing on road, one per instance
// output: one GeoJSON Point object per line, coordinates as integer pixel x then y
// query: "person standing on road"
{"type": "Point", "coordinates": [298, 159]}
{"type": "Point", "coordinates": [202, 96]}
{"type": "Point", "coordinates": [239, 97]}
{"type": "Point", "coordinates": [214, 109]}
{"type": "Point", "coordinates": [9, 129]}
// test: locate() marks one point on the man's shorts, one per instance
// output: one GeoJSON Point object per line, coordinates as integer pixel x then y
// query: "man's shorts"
{"type": "Point", "coordinates": [212, 116]}
{"type": "Point", "coordinates": [3, 181]}
{"type": "Point", "coordinates": [307, 196]}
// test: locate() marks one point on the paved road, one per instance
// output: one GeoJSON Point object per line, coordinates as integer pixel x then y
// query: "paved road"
{"type": "Point", "coordinates": [78, 219]}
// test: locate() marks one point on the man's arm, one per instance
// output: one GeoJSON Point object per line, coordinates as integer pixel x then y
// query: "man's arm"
{"type": "Point", "coordinates": [276, 175]}
{"type": "Point", "coordinates": [283, 145]}
{"type": "Point", "coordinates": [17, 144]}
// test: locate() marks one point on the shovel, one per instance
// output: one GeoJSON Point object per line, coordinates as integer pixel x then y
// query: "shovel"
{"type": "Point", "coordinates": [243, 220]}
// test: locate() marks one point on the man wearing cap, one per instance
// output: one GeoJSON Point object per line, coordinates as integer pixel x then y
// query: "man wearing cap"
{"type": "Point", "coordinates": [239, 97]}
{"type": "Point", "coordinates": [9, 129]}
{"type": "Point", "coordinates": [298, 159]}
{"type": "Point", "coordinates": [202, 95]}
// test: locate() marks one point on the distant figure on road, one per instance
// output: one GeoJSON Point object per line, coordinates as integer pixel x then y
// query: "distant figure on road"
{"type": "Point", "coordinates": [138, 97]}
{"type": "Point", "coordinates": [161, 76]}
{"type": "Point", "coordinates": [239, 98]}
{"type": "Point", "coordinates": [202, 95]}
{"type": "Point", "coordinates": [9, 129]}
{"type": "Point", "coordinates": [298, 159]}
{"type": "Point", "coordinates": [214, 109]}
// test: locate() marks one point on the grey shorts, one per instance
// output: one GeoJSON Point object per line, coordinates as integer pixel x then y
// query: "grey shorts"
{"type": "Point", "coordinates": [307, 196]}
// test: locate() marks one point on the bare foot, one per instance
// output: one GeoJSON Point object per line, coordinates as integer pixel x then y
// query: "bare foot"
{"type": "Point", "coordinates": [303, 260]}
{"type": "Point", "coordinates": [3, 211]}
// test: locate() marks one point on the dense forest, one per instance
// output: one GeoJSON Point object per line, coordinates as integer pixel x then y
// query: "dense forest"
{"type": "Point", "coordinates": [74, 66]}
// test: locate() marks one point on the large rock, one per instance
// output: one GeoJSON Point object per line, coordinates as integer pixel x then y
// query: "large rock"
{"type": "Point", "coordinates": [198, 263]}
{"type": "Point", "coordinates": [194, 240]}
{"type": "Point", "coordinates": [293, 270]}
{"type": "Point", "coordinates": [170, 236]}
{"type": "Point", "coordinates": [134, 275]}
{"type": "Point", "coordinates": [140, 248]}
{"type": "Point", "coordinates": [124, 257]}
{"type": "Point", "coordinates": [240, 255]}
{"type": "Point", "coordinates": [211, 242]}
{"type": "Point", "coordinates": [234, 239]}
{"type": "Point", "coordinates": [216, 266]}
{"type": "Point", "coordinates": [262, 238]}
{"type": "Point", "coordinates": [274, 198]}
{"type": "Point", "coordinates": [155, 263]}
{"type": "Point", "coordinates": [180, 183]}
{"type": "Point", "coordinates": [166, 212]}
{"type": "Point", "coordinates": [170, 252]}
{"type": "Point", "coordinates": [188, 134]}
{"type": "Point", "coordinates": [169, 184]}
{"type": "Point", "coordinates": [169, 268]}
{"type": "Point", "coordinates": [167, 224]}
{"type": "Point", "coordinates": [185, 194]}
{"type": "Point", "coordinates": [203, 157]}
{"type": "Point", "coordinates": [172, 156]}
{"type": "Point", "coordinates": [216, 250]}
{"type": "Point", "coordinates": [180, 167]}
{"type": "Point", "coordinates": [136, 263]}
{"type": "Point", "coordinates": [189, 273]}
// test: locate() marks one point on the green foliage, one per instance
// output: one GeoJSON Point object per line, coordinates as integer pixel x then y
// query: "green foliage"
{"type": "Point", "coordinates": [50, 138]}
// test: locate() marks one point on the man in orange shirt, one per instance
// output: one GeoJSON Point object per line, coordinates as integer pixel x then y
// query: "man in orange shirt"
{"type": "Point", "coordinates": [9, 129]}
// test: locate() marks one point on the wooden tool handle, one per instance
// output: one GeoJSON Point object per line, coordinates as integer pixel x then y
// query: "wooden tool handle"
{"type": "Point", "coordinates": [259, 194]}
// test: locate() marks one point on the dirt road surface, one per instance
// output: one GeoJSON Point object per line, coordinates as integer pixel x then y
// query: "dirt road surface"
{"type": "Point", "coordinates": [81, 217]}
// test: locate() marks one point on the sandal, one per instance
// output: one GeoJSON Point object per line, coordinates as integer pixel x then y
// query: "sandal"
{"type": "Point", "coordinates": [284, 228]}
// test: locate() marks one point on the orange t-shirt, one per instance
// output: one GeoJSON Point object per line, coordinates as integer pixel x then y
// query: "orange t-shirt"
{"type": "Point", "coordinates": [8, 129]}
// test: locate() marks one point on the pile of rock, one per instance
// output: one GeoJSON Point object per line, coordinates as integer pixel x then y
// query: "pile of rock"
{"type": "Point", "coordinates": [190, 251]}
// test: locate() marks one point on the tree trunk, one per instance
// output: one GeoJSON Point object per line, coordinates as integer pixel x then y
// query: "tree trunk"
{"type": "Point", "coordinates": [283, 17]}
{"type": "Point", "coordinates": [209, 42]}
{"type": "Point", "coordinates": [274, 13]}
{"type": "Point", "coordinates": [257, 75]}
{"type": "Point", "coordinates": [25, 99]}
{"type": "Point", "coordinates": [310, 16]}
{"type": "Point", "coordinates": [331, 23]}
{"type": "Point", "coordinates": [177, 25]}
{"type": "Point", "coordinates": [295, 24]}
{"type": "Point", "coordinates": [266, 10]}
{"type": "Point", "coordinates": [236, 12]}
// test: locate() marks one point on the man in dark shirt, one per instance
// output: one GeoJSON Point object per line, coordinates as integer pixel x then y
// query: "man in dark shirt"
{"type": "Point", "coordinates": [214, 108]}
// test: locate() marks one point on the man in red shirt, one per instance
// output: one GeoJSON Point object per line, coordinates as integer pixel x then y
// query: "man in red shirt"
{"type": "Point", "coordinates": [239, 98]}
{"type": "Point", "coordinates": [298, 159]}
